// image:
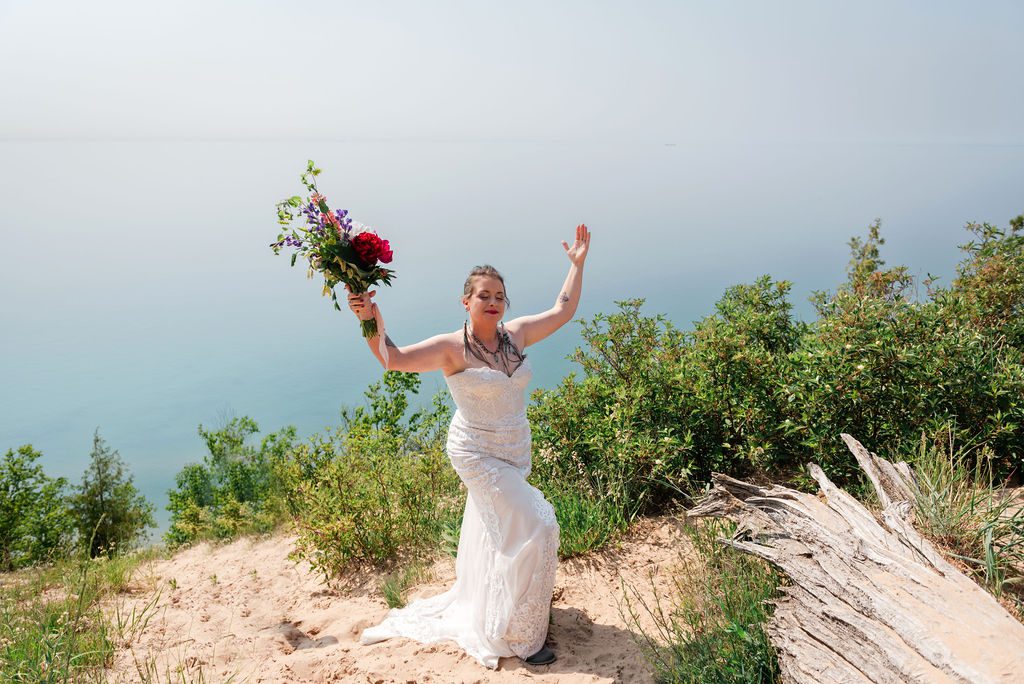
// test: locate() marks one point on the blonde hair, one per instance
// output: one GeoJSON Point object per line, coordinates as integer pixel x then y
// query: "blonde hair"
{"type": "Point", "coordinates": [485, 271]}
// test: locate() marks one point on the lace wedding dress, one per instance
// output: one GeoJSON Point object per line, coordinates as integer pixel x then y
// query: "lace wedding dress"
{"type": "Point", "coordinates": [508, 549]}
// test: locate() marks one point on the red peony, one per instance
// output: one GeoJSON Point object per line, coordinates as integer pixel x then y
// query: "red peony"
{"type": "Point", "coordinates": [385, 254]}
{"type": "Point", "coordinates": [372, 249]}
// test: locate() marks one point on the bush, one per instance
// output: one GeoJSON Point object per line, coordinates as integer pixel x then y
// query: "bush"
{"type": "Point", "coordinates": [234, 491]}
{"type": "Point", "coordinates": [734, 369]}
{"type": "Point", "coordinates": [754, 393]}
{"type": "Point", "coordinates": [110, 513]}
{"type": "Point", "coordinates": [616, 435]}
{"type": "Point", "coordinates": [884, 367]}
{"type": "Point", "coordinates": [658, 410]}
{"type": "Point", "coordinates": [34, 523]}
{"type": "Point", "coordinates": [378, 486]}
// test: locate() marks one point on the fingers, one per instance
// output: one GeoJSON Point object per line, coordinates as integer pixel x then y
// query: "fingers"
{"type": "Point", "coordinates": [565, 245]}
{"type": "Point", "coordinates": [362, 296]}
{"type": "Point", "coordinates": [582, 235]}
{"type": "Point", "coordinates": [361, 303]}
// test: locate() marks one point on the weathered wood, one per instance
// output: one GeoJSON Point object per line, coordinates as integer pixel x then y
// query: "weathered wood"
{"type": "Point", "coordinates": [869, 600]}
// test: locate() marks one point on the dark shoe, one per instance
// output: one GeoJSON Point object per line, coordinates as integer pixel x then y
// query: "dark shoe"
{"type": "Point", "coordinates": [545, 656]}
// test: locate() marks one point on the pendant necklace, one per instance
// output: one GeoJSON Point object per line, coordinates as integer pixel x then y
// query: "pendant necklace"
{"type": "Point", "coordinates": [500, 355]}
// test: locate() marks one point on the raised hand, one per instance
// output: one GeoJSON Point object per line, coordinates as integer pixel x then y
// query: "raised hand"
{"type": "Point", "coordinates": [578, 252]}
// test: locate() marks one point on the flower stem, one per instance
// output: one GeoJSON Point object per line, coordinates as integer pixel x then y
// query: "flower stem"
{"type": "Point", "coordinates": [369, 327]}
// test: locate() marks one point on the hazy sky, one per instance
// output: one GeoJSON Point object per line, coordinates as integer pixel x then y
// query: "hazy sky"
{"type": "Point", "coordinates": [137, 290]}
{"type": "Point", "coordinates": [891, 71]}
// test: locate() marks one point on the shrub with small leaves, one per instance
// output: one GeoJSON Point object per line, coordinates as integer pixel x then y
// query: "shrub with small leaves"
{"type": "Point", "coordinates": [234, 491]}
{"type": "Point", "coordinates": [35, 525]}
{"type": "Point", "coordinates": [377, 487]}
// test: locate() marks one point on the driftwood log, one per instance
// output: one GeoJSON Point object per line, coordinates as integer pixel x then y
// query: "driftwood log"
{"type": "Point", "coordinates": [869, 600]}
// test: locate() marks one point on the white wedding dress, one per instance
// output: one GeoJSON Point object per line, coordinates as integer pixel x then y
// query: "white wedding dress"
{"type": "Point", "coordinates": [500, 603]}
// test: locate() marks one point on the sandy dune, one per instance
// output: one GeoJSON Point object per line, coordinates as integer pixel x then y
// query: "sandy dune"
{"type": "Point", "coordinates": [243, 612]}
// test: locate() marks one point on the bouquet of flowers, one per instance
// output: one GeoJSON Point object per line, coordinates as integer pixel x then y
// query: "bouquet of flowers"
{"type": "Point", "coordinates": [343, 250]}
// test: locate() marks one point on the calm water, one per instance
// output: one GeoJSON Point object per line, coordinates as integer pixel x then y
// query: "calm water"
{"type": "Point", "coordinates": [140, 297]}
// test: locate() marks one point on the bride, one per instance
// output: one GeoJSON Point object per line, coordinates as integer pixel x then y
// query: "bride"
{"type": "Point", "coordinates": [500, 603]}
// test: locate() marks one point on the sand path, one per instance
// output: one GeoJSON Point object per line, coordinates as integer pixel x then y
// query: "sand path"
{"type": "Point", "coordinates": [243, 612]}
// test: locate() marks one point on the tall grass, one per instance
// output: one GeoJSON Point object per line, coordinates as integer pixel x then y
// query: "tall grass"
{"type": "Point", "coordinates": [64, 623]}
{"type": "Point", "coordinates": [586, 520]}
{"type": "Point", "coordinates": [395, 586]}
{"type": "Point", "coordinates": [52, 626]}
{"type": "Point", "coordinates": [961, 507]}
{"type": "Point", "coordinates": [710, 630]}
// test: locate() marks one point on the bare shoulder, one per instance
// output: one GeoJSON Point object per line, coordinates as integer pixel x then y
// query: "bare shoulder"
{"type": "Point", "coordinates": [452, 344]}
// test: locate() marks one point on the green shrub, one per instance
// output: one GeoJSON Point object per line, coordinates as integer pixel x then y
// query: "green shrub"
{"type": "Point", "coordinates": [884, 367]}
{"type": "Point", "coordinates": [35, 525]}
{"type": "Point", "coordinates": [377, 487]}
{"type": "Point", "coordinates": [659, 410]}
{"type": "Point", "coordinates": [988, 291]}
{"type": "Point", "coordinates": [734, 369]}
{"type": "Point", "coordinates": [751, 391]}
{"type": "Point", "coordinates": [110, 513]}
{"type": "Point", "coordinates": [616, 434]}
{"type": "Point", "coordinates": [234, 491]}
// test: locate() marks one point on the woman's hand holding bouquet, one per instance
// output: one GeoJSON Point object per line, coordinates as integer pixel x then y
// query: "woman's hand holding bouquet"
{"type": "Point", "coordinates": [343, 250]}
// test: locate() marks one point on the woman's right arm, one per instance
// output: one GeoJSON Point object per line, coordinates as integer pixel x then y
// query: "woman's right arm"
{"type": "Point", "coordinates": [431, 354]}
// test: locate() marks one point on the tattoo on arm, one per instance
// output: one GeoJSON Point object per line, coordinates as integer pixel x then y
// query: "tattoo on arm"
{"type": "Point", "coordinates": [563, 298]}
{"type": "Point", "coordinates": [388, 342]}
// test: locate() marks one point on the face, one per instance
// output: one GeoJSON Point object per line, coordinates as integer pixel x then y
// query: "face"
{"type": "Point", "coordinates": [486, 303]}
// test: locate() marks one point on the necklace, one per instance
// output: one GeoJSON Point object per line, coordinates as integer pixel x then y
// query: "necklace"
{"type": "Point", "coordinates": [480, 343]}
{"type": "Point", "coordinates": [500, 357]}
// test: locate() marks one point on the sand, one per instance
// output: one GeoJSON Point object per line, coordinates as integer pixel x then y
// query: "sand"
{"type": "Point", "coordinates": [243, 612]}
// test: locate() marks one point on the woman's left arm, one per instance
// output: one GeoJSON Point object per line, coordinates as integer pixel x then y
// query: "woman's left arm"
{"type": "Point", "coordinates": [533, 329]}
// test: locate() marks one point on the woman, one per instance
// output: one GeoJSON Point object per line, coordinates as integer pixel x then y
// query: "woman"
{"type": "Point", "coordinates": [500, 603]}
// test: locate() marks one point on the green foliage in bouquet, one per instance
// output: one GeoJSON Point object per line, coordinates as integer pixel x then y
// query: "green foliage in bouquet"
{"type": "Point", "coordinates": [378, 487]}
{"type": "Point", "coordinates": [342, 250]}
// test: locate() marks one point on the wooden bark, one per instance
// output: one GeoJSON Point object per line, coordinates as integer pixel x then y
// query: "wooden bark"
{"type": "Point", "coordinates": [869, 600]}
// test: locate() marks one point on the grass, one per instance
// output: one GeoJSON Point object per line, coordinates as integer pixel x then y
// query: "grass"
{"type": "Point", "coordinates": [711, 629]}
{"type": "Point", "coordinates": [960, 507]}
{"type": "Point", "coordinates": [586, 522]}
{"type": "Point", "coordinates": [184, 671]}
{"type": "Point", "coordinates": [395, 586]}
{"type": "Point", "coordinates": [63, 622]}
{"type": "Point", "coordinates": [52, 626]}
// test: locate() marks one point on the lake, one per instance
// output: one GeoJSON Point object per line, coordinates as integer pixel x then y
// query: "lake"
{"type": "Point", "coordinates": [140, 295]}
